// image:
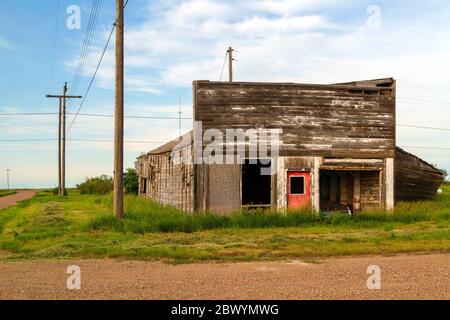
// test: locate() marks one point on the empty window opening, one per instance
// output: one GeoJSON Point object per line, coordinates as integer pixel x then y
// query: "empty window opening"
{"type": "Point", "coordinates": [297, 185]}
{"type": "Point", "coordinates": [144, 185]}
{"type": "Point", "coordinates": [256, 184]}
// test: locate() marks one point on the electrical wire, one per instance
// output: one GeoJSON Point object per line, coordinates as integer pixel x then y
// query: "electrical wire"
{"type": "Point", "coordinates": [95, 73]}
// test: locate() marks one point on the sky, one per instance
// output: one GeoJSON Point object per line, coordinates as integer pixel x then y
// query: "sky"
{"type": "Point", "coordinates": [170, 43]}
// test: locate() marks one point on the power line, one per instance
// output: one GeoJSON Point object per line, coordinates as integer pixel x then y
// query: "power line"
{"type": "Point", "coordinates": [79, 139]}
{"type": "Point", "coordinates": [54, 44]}
{"type": "Point", "coordinates": [95, 73]}
{"type": "Point", "coordinates": [96, 4]}
{"type": "Point", "coordinates": [427, 148]}
{"type": "Point", "coordinates": [223, 66]}
{"type": "Point", "coordinates": [422, 127]}
{"type": "Point", "coordinates": [424, 101]}
{"type": "Point", "coordinates": [93, 115]}
{"type": "Point", "coordinates": [134, 117]}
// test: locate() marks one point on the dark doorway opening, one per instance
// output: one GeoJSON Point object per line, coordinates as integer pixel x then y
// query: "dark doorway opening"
{"type": "Point", "coordinates": [256, 182]}
{"type": "Point", "coordinates": [349, 191]}
{"type": "Point", "coordinates": [144, 185]}
{"type": "Point", "coordinates": [336, 191]}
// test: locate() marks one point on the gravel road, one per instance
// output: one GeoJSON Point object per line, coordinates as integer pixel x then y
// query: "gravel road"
{"type": "Point", "coordinates": [11, 200]}
{"type": "Point", "coordinates": [424, 276]}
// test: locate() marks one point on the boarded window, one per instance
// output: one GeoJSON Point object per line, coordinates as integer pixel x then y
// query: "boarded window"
{"type": "Point", "coordinates": [297, 185]}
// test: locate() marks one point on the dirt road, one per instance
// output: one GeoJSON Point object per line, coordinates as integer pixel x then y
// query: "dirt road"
{"type": "Point", "coordinates": [11, 200]}
{"type": "Point", "coordinates": [402, 277]}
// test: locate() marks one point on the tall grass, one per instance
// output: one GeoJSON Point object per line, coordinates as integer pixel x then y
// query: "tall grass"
{"type": "Point", "coordinates": [143, 215]}
{"type": "Point", "coordinates": [4, 193]}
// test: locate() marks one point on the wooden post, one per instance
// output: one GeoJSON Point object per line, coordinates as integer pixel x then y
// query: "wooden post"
{"type": "Point", "coordinates": [59, 147]}
{"type": "Point", "coordinates": [316, 184]}
{"type": "Point", "coordinates": [357, 192]}
{"type": "Point", "coordinates": [62, 137]}
{"type": "Point", "coordinates": [343, 185]}
{"type": "Point", "coordinates": [230, 64]}
{"type": "Point", "coordinates": [7, 177]}
{"type": "Point", "coordinates": [118, 124]}
{"type": "Point", "coordinates": [390, 187]}
{"type": "Point", "coordinates": [63, 151]}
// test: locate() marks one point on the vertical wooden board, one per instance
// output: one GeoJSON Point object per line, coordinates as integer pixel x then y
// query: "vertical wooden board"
{"type": "Point", "coordinates": [389, 184]}
{"type": "Point", "coordinates": [357, 192]}
{"type": "Point", "coordinates": [343, 188]}
{"type": "Point", "coordinates": [281, 184]}
{"type": "Point", "coordinates": [315, 182]}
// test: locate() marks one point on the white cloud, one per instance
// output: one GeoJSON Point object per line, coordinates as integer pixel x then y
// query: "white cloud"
{"type": "Point", "coordinates": [264, 26]}
{"type": "Point", "coordinates": [291, 7]}
{"type": "Point", "coordinates": [5, 44]}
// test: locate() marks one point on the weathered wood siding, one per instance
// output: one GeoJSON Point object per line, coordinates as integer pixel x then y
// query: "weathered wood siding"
{"type": "Point", "coordinates": [415, 179]}
{"type": "Point", "coordinates": [169, 181]}
{"type": "Point", "coordinates": [351, 121]}
{"type": "Point", "coordinates": [370, 190]}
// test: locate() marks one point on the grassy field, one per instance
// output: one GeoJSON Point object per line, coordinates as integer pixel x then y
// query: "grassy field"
{"type": "Point", "coordinates": [4, 192]}
{"type": "Point", "coordinates": [82, 226]}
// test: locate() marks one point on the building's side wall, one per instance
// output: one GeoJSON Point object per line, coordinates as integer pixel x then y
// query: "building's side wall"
{"type": "Point", "coordinates": [167, 181]}
{"type": "Point", "coordinates": [414, 178]}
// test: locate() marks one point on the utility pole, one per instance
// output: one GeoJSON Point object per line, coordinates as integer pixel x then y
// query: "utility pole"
{"type": "Point", "coordinates": [63, 151]}
{"type": "Point", "coordinates": [230, 64]}
{"type": "Point", "coordinates": [7, 177]}
{"type": "Point", "coordinates": [62, 137]}
{"type": "Point", "coordinates": [118, 117]}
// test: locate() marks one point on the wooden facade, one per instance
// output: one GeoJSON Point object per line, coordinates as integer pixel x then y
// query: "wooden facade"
{"type": "Point", "coordinates": [317, 120]}
{"type": "Point", "coordinates": [337, 140]}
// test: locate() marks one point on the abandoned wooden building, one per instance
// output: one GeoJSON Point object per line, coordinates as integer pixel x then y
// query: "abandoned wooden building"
{"type": "Point", "coordinates": [337, 151]}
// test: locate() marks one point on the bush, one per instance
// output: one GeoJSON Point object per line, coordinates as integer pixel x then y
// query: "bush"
{"type": "Point", "coordinates": [97, 185]}
{"type": "Point", "coordinates": [131, 182]}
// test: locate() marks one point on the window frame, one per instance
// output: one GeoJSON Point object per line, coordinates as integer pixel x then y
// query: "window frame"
{"type": "Point", "coordinates": [290, 186]}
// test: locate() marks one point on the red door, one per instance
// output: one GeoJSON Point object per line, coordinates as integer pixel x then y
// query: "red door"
{"type": "Point", "coordinates": [298, 189]}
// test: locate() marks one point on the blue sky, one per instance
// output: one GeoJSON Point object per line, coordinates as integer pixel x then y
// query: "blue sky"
{"type": "Point", "coordinates": [170, 43]}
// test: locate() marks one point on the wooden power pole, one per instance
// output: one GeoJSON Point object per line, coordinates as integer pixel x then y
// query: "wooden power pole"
{"type": "Point", "coordinates": [63, 148]}
{"type": "Point", "coordinates": [62, 138]}
{"type": "Point", "coordinates": [230, 64]}
{"type": "Point", "coordinates": [7, 177]}
{"type": "Point", "coordinates": [118, 115]}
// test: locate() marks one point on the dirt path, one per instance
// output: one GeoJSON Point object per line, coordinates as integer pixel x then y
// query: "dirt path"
{"type": "Point", "coordinates": [402, 277]}
{"type": "Point", "coordinates": [11, 200]}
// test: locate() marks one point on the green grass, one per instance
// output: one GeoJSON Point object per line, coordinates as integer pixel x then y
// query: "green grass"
{"type": "Point", "coordinates": [82, 226]}
{"type": "Point", "coordinates": [4, 192]}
